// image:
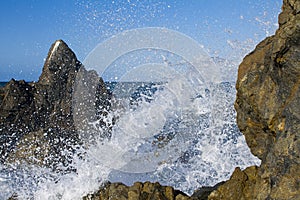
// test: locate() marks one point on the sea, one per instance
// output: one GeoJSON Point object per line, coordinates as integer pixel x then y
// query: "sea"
{"type": "Point", "coordinates": [179, 130]}
{"type": "Point", "coordinates": [164, 132]}
{"type": "Point", "coordinates": [2, 84]}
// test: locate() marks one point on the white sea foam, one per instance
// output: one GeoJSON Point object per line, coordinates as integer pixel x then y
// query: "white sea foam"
{"type": "Point", "coordinates": [182, 134]}
{"type": "Point", "coordinates": [204, 147]}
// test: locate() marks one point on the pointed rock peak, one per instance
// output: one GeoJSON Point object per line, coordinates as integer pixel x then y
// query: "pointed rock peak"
{"type": "Point", "coordinates": [61, 60]}
{"type": "Point", "coordinates": [54, 47]}
{"type": "Point", "coordinates": [58, 45]}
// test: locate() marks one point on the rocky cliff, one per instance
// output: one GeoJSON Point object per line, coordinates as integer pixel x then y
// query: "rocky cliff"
{"type": "Point", "coordinates": [268, 114]}
{"type": "Point", "coordinates": [37, 119]}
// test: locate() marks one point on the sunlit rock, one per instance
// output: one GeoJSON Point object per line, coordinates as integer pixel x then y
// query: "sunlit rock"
{"type": "Point", "coordinates": [268, 114]}
{"type": "Point", "coordinates": [147, 190]}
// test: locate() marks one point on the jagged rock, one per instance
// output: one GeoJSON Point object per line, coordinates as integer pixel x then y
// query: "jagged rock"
{"type": "Point", "coordinates": [33, 143]}
{"type": "Point", "coordinates": [138, 191]}
{"type": "Point", "coordinates": [146, 191]}
{"type": "Point", "coordinates": [16, 100]}
{"type": "Point", "coordinates": [268, 114]}
{"type": "Point", "coordinates": [37, 119]}
{"type": "Point", "coordinates": [53, 95]}
{"type": "Point", "coordinates": [84, 105]}
{"type": "Point", "coordinates": [203, 192]}
{"type": "Point", "coordinates": [240, 186]}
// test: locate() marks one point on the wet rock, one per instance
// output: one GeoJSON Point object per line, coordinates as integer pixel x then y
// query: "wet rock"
{"type": "Point", "coordinates": [33, 143]}
{"type": "Point", "coordinates": [204, 192]}
{"type": "Point", "coordinates": [16, 99]}
{"type": "Point", "coordinates": [268, 114]}
{"type": "Point", "coordinates": [138, 191]}
{"type": "Point", "coordinates": [146, 191]}
{"type": "Point", "coordinates": [53, 91]}
{"type": "Point", "coordinates": [240, 185]}
{"type": "Point", "coordinates": [91, 103]}
{"type": "Point", "coordinates": [37, 119]}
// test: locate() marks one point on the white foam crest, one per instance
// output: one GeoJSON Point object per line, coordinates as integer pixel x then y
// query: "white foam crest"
{"type": "Point", "coordinates": [42, 183]}
{"type": "Point", "coordinates": [130, 143]}
{"type": "Point", "coordinates": [216, 148]}
{"type": "Point", "coordinates": [89, 176]}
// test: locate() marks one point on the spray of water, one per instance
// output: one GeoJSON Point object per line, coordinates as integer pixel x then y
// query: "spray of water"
{"type": "Point", "coordinates": [171, 120]}
{"type": "Point", "coordinates": [175, 119]}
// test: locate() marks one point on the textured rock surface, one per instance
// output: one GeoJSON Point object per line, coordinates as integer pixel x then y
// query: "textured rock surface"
{"type": "Point", "coordinates": [268, 114]}
{"type": "Point", "coordinates": [15, 100]}
{"type": "Point", "coordinates": [147, 191]}
{"type": "Point", "coordinates": [139, 191]}
{"type": "Point", "coordinates": [37, 119]}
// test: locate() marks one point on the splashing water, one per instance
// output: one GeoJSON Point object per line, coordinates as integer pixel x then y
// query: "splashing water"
{"type": "Point", "coordinates": [175, 122]}
{"type": "Point", "coordinates": [173, 104]}
{"type": "Point", "coordinates": [175, 118]}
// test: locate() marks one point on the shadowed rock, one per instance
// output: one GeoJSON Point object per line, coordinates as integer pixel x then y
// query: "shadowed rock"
{"type": "Point", "coordinates": [37, 119]}
{"type": "Point", "coordinates": [16, 99]}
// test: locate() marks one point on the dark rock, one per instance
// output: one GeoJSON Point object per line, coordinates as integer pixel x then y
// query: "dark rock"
{"type": "Point", "coordinates": [91, 104]}
{"type": "Point", "coordinates": [37, 119]}
{"type": "Point", "coordinates": [16, 100]}
{"type": "Point", "coordinates": [146, 191]}
{"type": "Point", "coordinates": [268, 114]}
{"type": "Point", "coordinates": [204, 192]}
{"type": "Point", "coordinates": [53, 95]}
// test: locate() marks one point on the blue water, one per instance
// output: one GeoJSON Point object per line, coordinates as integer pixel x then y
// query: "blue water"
{"type": "Point", "coordinates": [2, 84]}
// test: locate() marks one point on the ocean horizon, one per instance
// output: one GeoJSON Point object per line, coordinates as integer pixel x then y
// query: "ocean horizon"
{"type": "Point", "coordinates": [2, 83]}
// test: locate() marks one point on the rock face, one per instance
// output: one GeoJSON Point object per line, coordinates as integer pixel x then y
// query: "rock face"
{"type": "Point", "coordinates": [15, 99]}
{"type": "Point", "coordinates": [53, 95]}
{"type": "Point", "coordinates": [37, 119]}
{"type": "Point", "coordinates": [146, 191]}
{"type": "Point", "coordinates": [268, 114]}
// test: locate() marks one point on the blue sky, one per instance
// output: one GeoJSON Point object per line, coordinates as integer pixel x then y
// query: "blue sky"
{"type": "Point", "coordinates": [29, 27]}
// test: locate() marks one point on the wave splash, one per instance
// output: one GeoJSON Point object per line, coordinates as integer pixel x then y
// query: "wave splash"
{"type": "Point", "coordinates": [176, 125]}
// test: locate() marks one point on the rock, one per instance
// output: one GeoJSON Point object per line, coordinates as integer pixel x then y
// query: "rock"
{"type": "Point", "coordinates": [91, 104]}
{"type": "Point", "coordinates": [16, 100]}
{"type": "Point", "coordinates": [53, 95]}
{"type": "Point", "coordinates": [146, 191]}
{"type": "Point", "coordinates": [33, 143]}
{"type": "Point", "coordinates": [204, 192]}
{"type": "Point", "coordinates": [37, 119]}
{"type": "Point", "coordinates": [138, 191]}
{"type": "Point", "coordinates": [239, 186]}
{"type": "Point", "coordinates": [268, 114]}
